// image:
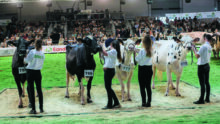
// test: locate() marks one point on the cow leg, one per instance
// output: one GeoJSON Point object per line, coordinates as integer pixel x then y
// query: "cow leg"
{"type": "Point", "coordinates": [214, 53]}
{"type": "Point", "coordinates": [177, 86]}
{"type": "Point", "coordinates": [169, 78]}
{"type": "Point", "coordinates": [128, 86]}
{"type": "Point", "coordinates": [122, 87]}
{"type": "Point", "coordinates": [67, 85]}
{"type": "Point", "coordinates": [23, 89]}
{"type": "Point", "coordinates": [17, 80]}
{"type": "Point", "coordinates": [172, 85]}
{"type": "Point", "coordinates": [154, 72]}
{"type": "Point", "coordinates": [82, 93]}
{"type": "Point", "coordinates": [89, 85]}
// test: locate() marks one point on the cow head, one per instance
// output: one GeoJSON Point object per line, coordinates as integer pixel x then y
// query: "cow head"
{"type": "Point", "coordinates": [129, 45]}
{"type": "Point", "coordinates": [22, 46]}
{"type": "Point", "coordinates": [174, 54]}
{"type": "Point", "coordinates": [187, 43]}
{"type": "Point", "coordinates": [92, 44]}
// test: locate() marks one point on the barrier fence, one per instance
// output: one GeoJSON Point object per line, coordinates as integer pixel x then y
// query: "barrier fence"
{"type": "Point", "coordinates": [46, 49]}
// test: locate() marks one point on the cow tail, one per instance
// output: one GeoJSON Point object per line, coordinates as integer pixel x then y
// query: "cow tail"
{"type": "Point", "coordinates": [135, 62]}
{"type": "Point", "coordinates": [191, 57]}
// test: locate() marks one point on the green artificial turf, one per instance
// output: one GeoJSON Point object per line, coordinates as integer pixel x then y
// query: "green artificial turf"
{"type": "Point", "coordinates": [54, 73]}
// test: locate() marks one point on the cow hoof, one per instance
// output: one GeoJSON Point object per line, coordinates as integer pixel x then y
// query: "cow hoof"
{"type": "Point", "coordinates": [20, 106]}
{"type": "Point", "coordinates": [166, 94]}
{"type": "Point", "coordinates": [79, 94]}
{"type": "Point", "coordinates": [23, 95]}
{"type": "Point", "coordinates": [122, 100]}
{"type": "Point", "coordinates": [153, 86]}
{"type": "Point", "coordinates": [178, 95]}
{"type": "Point", "coordinates": [37, 95]}
{"type": "Point", "coordinates": [130, 99]}
{"type": "Point", "coordinates": [82, 103]}
{"type": "Point", "coordinates": [89, 101]}
{"type": "Point", "coordinates": [67, 97]}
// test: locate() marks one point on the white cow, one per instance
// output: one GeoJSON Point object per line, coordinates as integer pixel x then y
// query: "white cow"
{"type": "Point", "coordinates": [169, 56]}
{"type": "Point", "coordinates": [124, 70]}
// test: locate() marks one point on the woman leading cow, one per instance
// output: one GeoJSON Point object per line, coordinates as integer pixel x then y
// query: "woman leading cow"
{"type": "Point", "coordinates": [109, 72]}
{"type": "Point", "coordinates": [35, 60]}
{"type": "Point", "coordinates": [145, 71]}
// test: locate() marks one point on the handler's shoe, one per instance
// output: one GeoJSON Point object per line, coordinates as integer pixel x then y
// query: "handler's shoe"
{"type": "Point", "coordinates": [207, 101]}
{"type": "Point", "coordinates": [199, 102]}
{"type": "Point", "coordinates": [33, 112]}
{"type": "Point", "coordinates": [41, 111]}
{"type": "Point", "coordinates": [146, 105]}
{"type": "Point", "coordinates": [106, 107]}
{"type": "Point", "coordinates": [117, 106]}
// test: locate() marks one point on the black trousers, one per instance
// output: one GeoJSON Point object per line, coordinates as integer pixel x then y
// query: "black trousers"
{"type": "Point", "coordinates": [108, 76]}
{"type": "Point", "coordinates": [144, 77]}
{"type": "Point", "coordinates": [203, 74]}
{"type": "Point", "coordinates": [34, 76]}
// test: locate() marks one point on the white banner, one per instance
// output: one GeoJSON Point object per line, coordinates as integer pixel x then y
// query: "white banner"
{"type": "Point", "coordinates": [54, 49]}
{"type": "Point", "coordinates": [46, 49]}
{"type": "Point", "coordinates": [199, 15]}
{"type": "Point", "coordinates": [4, 22]}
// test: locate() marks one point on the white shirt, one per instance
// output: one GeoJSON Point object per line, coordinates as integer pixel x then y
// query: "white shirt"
{"type": "Point", "coordinates": [142, 58]}
{"type": "Point", "coordinates": [205, 52]}
{"type": "Point", "coordinates": [35, 60]}
{"type": "Point", "coordinates": [110, 60]}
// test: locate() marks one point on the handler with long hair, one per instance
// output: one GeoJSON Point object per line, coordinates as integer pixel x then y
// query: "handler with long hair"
{"type": "Point", "coordinates": [35, 60]}
{"type": "Point", "coordinates": [109, 72]}
{"type": "Point", "coordinates": [145, 71]}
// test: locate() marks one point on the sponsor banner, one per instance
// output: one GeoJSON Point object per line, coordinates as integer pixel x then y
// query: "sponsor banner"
{"type": "Point", "coordinates": [46, 49]}
{"type": "Point", "coordinates": [199, 15]}
{"type": "Point", "coordinates": [54, 49]}
{"type": "Point", "coordinates": [7, 51]}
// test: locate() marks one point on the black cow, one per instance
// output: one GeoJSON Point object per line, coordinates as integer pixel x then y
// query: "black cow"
{"type": "Point", "coordinates": [18, 65]}
{"type": "Point", "coordinates": [78, 59]}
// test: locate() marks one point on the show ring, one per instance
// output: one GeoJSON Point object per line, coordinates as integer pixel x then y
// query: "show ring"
{"type": "Point", "coordinates": [57, 105]}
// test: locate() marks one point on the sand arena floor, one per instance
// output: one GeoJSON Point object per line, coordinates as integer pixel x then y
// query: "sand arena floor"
{"type": "Point", "coordinates": [55, 104]}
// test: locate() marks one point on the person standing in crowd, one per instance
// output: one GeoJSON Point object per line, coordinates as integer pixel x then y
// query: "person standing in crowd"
{"type": "Point", "coordinates": [145, 71]}
{"type": "Point", "coordinates": [109, 72]}
{"type": "Point", "coordinates": [204, 55]}
{"type": "Point", "coordinates": [35, 60]}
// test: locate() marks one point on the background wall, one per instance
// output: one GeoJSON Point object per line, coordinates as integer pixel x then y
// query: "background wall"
{"type": "Point", "coordinates": [198, 5]}
{"type": "Point", "coordinates": [37, 10]}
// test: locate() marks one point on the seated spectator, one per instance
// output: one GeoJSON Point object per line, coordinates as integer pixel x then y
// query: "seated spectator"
{"type": "Point", "coordinates": [49, 41]}
{"type": "Point", "coordinates": [61, 40]}
{"type": "Point", "coordinates": [66, 41]}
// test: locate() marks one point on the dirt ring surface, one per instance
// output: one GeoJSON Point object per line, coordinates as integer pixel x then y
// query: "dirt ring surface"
{"type": "Point", "coordinates": [56, 105]}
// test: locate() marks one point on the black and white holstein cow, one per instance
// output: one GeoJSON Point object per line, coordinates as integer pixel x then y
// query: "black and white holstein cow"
{"type": "Point", "coordinates": [79, 60]}
{"type": "Point", "coordinates": [124, 70]}
{"type": "Point", "coordinates": [170, 56]}
{"type": "Point", "coordinates": [18, 66]}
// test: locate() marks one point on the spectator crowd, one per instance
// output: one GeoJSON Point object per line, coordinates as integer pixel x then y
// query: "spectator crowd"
{"type": "Point", "coordinates": [139, 27]}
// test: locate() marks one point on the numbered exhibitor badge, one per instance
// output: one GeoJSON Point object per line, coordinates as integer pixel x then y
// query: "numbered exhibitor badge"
{"type": "Point", "coordinates": [88, 73]}
{"type": "Point", "coordinates": [126, 68]}
{"type": "Point", "coordinates": [22, 70]}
